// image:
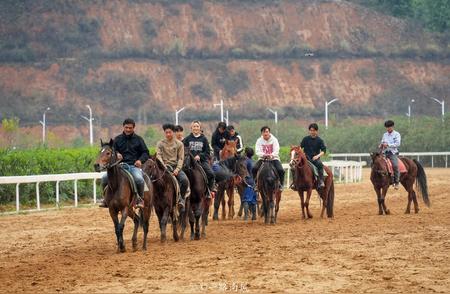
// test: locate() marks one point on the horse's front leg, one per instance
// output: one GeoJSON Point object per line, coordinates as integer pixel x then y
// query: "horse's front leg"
{"type": "Point", "coordinates": [205, 213]}
{"type": "Point", "coordinates": [308, 197]}
{"type": "Point", "coordinates": [121, 226]}
{"type": "Point", "coordinates": [163, 224]}
{"type": "Point", "coordinates": [241, 195]}
{"type": "Point", "coordinates": [277, 204]}
{"type": "Point", "coordinates": [323, 195]}
{"type": "Point", "coordinates": [383, 197]}
{"type": "Point", "coordinates": [135, 229]}
{"type": "Point", "coordinates": [197, 222]}
{"type": "Point", "coordinates": [115, 219]}
{"type": "Point", "coordinates": [230, 193]}
{"type": "Point", "coordinates": [301, 193]}
{"type": "Point", "coordinates": [146, 219]}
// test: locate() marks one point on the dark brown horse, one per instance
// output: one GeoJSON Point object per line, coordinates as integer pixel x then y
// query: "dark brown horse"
{"type": "Point", "coordinates": [268, 182]}
{"type": "Point", "coordinates": [381, 180]}
{"type": "Point", "coordinates": [165, 195]}
{"type": "Point", "coordinates": [118, 196]}
{"type": "Point", "coordinates": [229, 150]}
{"type": "Point", "coordinates": [304, 181]}
{"type": "Point", "coordinates": [197, 205]}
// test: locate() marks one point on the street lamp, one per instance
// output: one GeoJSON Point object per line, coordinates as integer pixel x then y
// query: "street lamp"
{"type": "Point", "coordinates": [90, 119]}
{"type": "Point", "coordinates": [226, 118]}
{"type": "Point", "coordinates": [408, 114]}
{"type": "Point", "coordinates": [326, 111]}
{"type": "Point", "coordinates": [221, 109]}
{"type": "Point", "coordinates": [442, 106]}
{"type": "Point", "coordinates": [43, 125]}
{"type": "Point", "coordinates": [276, 118]}
{"type": "Point", "coordinates": [176, 114]}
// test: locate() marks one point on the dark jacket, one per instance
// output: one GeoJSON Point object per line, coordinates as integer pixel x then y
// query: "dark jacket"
{"type": "Point", "coordinates": [198, 146]}
{"type": "Point", "coordinates": [312, 146]}
{"type": "Point", "coordinates": [132, 148]}
{"type": "Point", "coordinates": [218, 140]}
{"type": "Point", "coordinates": [236, 138]}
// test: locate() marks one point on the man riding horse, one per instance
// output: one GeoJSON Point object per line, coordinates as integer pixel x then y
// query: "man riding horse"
{"type": "Point", "coordinates": [170, 151]}
{"type": "Point", "coordinates": [218, 139]}
{"type": "Point", "coordinates": [267, 147]}
{"type": "Point", "coordinates": [132, 152]}
{"type": "Point", "coordinates": [390, 142]}
{"type": "Point", "coordinates": [314, 148]}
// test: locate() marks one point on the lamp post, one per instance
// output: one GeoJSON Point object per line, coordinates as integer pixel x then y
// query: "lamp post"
{"type": "Point", "coordinates": [408, 114]}
{"type": "Point", "coordinates": [221, 109]}
{"type": "Point", "coordinates": [43, 123]}
{"type": "Point", "coordinates": [176, 114]}
{"type": "Point", "coordinates": [442, 107]}
{"type": "Point", "coordinates": [90, 119]}
{"type": "Point", "coordinates": [327, 103]}
{"type": "Point", "coordinates": [276, 118]}
{"type": "Point", "coordinates": [226, 117]}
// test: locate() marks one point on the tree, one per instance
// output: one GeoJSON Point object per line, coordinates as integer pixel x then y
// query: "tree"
{"type": "Point", "coordinates": [10, 127]}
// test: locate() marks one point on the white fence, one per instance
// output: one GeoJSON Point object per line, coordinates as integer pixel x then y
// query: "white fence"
{"type": "Point", "coordinates": [343, 171]}
{"type": "Point", "coordinates": [416, 155]}
{"type": "Point", "coordinates": [52, 178]}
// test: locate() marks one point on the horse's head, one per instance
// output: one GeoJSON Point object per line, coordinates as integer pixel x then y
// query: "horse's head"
{"type": "Point", "coordinates": [228, 150]}
{"type": "Point", "coordinates": [379, 165]}
{"type": "Point", "coordinates": [107, 156]}
{"type": "Point", "coordinates": [153, 166]}
{"type": "Point", "coordinates": [298, 157]}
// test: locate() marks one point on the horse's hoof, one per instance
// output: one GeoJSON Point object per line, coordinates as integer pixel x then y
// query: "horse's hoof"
{"type": "Point", "coordinates": [144, 248]}
{"type": "Point", "coordinates": [388, 211]}
{"type": "Point", "coordinates": [407, 211]}
{"type": "Point", "coordinates": [192, 237]}
{"type": "Point", "coordinates": [416, 210]}
{"type": "Point", "coordinates": [380, 212]}
{"type": "Point", "coordinates": [203, 235]}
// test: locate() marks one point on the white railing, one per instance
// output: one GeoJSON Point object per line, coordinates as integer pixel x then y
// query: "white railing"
{"type": "Point", "coordinates": [417, 155]}
{"type": "Point", "coordinates": [52, 178]}
{"type": "Point", "coordinates": [343, 171]}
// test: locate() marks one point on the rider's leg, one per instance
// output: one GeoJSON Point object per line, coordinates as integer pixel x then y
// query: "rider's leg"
{"type": "Point", "coordinates": [318, 163]}
{"type": "Point", "coordinates": [394, 160]}
{"type": "Point", "coordinates": [280, 171]}
{"type": "Point", "coordinates": [184, 184]}
{"type": "Point", "coordinates": [104, 184]}
{"type": "Point", "coordinates": [139, 180]}
{"type": "Point", "coordinates": [210, 175]}
{"type": "Point", "coordinates": [255, 171]}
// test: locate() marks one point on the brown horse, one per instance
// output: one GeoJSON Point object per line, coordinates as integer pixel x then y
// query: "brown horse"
{"type": "Point", "coordinates": [381, 180]}
{"type": "Point", "coordinates": [304, 181]}
{"type": "Point", "coordinates": [165, 195]}
{"type": "Point", "coordinates": [229, 150]}
{"type": "Point", "coordinates": [198, 205]}
{"type": "Point", "coordinates": [119, 198]}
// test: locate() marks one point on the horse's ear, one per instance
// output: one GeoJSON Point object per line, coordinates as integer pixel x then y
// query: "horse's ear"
{"type": "Point", "coordinates": [111, 142]}
{"type": "Point", "coordinates": [101, 142]}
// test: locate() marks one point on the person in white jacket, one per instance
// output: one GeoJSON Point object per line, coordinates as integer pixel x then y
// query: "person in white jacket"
{"type": "Point", "coordinates": [267, 146]}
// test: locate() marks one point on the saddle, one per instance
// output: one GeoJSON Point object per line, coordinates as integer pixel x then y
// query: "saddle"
{"type": "Point", "coordinates": [401, 166]}
{"type": "Point", "coordinates": [271, 166]}
{"type": "Point", "coordinates": [316, 171]}
{"type": "Point", "coordinates": [175, 183]}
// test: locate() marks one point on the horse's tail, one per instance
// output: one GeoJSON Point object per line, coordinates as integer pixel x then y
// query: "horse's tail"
{"type": "Point", "coordinates": [421, 183]}
{"type": "Point", "coordinates": [330, 201]}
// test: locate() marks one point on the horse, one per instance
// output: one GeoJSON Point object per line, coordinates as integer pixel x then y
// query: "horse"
{"type": "Point", "coordinates": [165, 195]}
{"type": "Point", "coordinates": [198, 205]}
{"type": "Point", "coordinates": [304, 181]}
{"type": "Point", "coordinates": [229, 150]}
{"type": "Point", "coordinates": [119, 196]}
{"type": "Point", "coordinates": [381, 180]}
{"type": "Point", "coordinates": [268, 182]}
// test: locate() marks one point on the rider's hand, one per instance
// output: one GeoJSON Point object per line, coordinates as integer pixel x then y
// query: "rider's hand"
{"type": "Point", "coordinates": [138, 164]}
{"type": "Point", "coordinates": [175, 172]}
{"type": "Point", "coordinates": [119, 156]}
{"type": "Point", "coordinates": [197, 157]}
{"type": "Point", "coordinates": [315, 157]}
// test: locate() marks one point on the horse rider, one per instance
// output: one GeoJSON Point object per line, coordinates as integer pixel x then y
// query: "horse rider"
{"type": "Point", "coordinates": [235, 137]}
{"type": "Point", "coordinates": [390, 142]}
{"type": "Point", "coordinates": [199, 147]}
{"type": "Point", "coordinates": [179, 132]}
{"type": "Point", "coordinates": [170, 151]}
{"type": "Point", "coordinates": [267, 147]}
{"type": "Point", "coordinates": [314, 147]}
{"type": "Point", "coordinates": [218, 139]}
{"type": "Point", "coordinates": [133, 152]}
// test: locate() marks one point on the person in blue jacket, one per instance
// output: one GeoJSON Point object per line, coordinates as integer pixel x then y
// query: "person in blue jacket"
{"type": "Point", "coordinates": [249, 199]}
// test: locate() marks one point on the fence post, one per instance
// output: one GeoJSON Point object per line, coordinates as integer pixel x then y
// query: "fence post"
{"type": "Point", "coordinates": [17, 198]}
{"type": "Point", "coordinates": [38, 196]}
{"type": "Point", "coordinates": [75, 192]}
{"type": "Point", "coordinates": [57, 194]}
{"type": "Point", "coordinates": [446, 158]}
{"type": "Point", "coordinates": [95, 192]}
{"type": "Point", "coordinates": [432, 161]}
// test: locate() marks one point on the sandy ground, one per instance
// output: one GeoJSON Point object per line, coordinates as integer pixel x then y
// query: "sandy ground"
{"type": "Point", "coordinates": [74, 250]}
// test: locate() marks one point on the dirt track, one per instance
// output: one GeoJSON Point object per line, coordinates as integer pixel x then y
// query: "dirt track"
{"type": "Point", "coordinates": [73, 250]}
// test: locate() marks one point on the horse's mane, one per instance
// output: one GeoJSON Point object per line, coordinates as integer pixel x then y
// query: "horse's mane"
{"type": "Point", "coordinates": [159, 163]}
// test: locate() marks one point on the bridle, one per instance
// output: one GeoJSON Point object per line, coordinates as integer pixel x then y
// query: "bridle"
{"type": "Point", "coordinates": [113, 161]}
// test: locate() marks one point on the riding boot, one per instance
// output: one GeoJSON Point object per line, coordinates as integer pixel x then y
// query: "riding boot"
{"type": "Point", "coordinates": [321, 183]}
{"type": "Point", "coordinates": [253, 210]}
{"type": "Point", "coordinates": [103, 203]}
{"type": "Point", "coordinates": [140, 196]}
{"type": "Point", "coordinates": [212, 190]}
{"type": "Point", "coordinates": [246, 210]}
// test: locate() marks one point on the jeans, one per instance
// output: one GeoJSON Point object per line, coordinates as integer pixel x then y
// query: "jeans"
{"type": "Point", "coordinates": [394, 160]}
{"type": "Point", "coordinates": [137, 176]}
{"type": "Point", "coordinates": [183, 181]}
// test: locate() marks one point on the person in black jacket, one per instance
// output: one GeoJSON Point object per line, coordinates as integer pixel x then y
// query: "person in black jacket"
{"type": "Point", "coordinates": [218, 139]}
{"type": "Point", "coordinates": [314, 148]}
{"type": "Point", "coordinates": [234, 136]}
{"type": "Point", "coordinates": [199, 147]}
{"type": "Point", "coordinates": [132, 152]}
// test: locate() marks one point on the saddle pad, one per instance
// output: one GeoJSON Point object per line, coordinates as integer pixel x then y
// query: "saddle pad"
{"type": "Point", "coordinates": [315, 171]}
{"type": "Point", "coordinates": [401, 166]}
{"type": "Point", "coordinates": [131, 180]}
